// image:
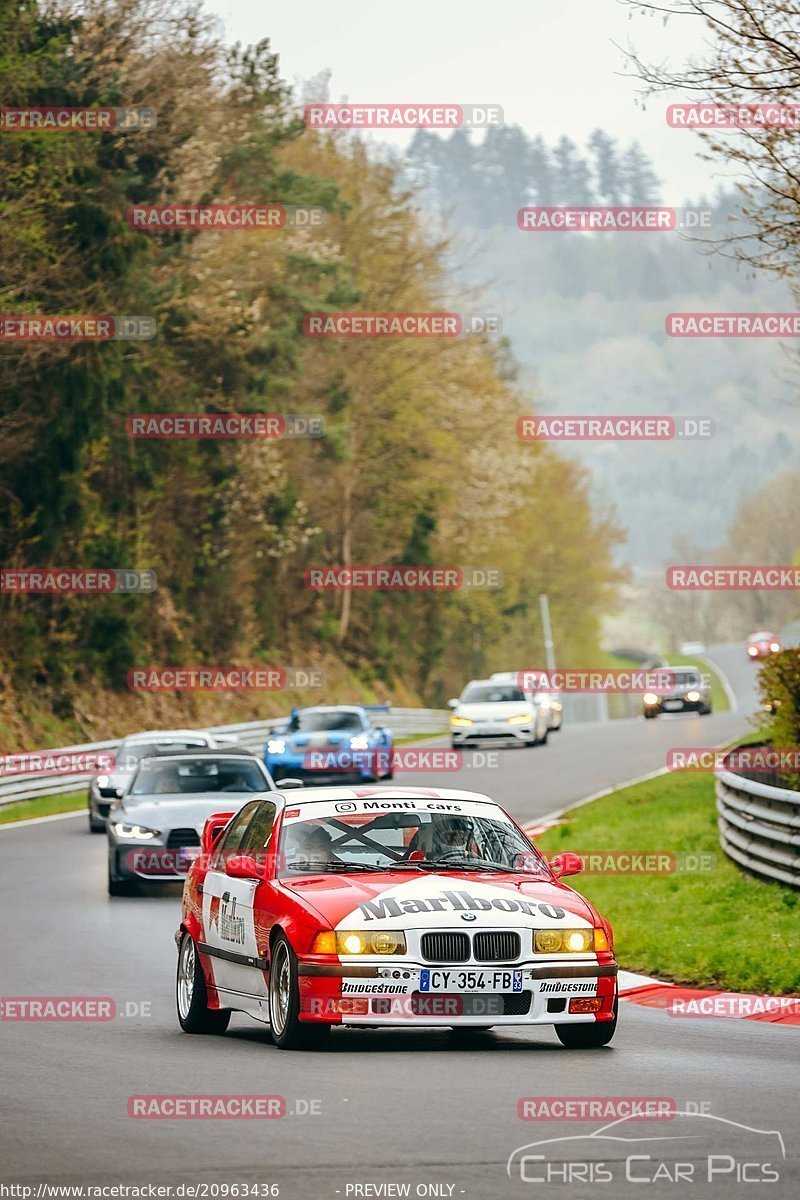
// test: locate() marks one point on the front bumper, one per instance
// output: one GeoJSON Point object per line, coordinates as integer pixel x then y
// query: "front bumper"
{"type": "Point", "coordinates": [354, 994]}
{"type": "Point", "coordinates": [150, 862]}
{"type": "Point", "coordinates": [484, 731]}
{"type": "Point", "coordinates": [675, 704]}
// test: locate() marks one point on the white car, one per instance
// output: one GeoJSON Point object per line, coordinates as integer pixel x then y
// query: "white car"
{"type": "Point", "coordinates": [550, 701]}
{"type": "Point", "coordinates": [491, 710]}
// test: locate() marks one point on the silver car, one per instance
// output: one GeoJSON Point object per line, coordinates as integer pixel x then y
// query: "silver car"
{"type": "Point", "coordinates": [154, 829]}
{"type": "Point", "coordinates": [104, 789]}
{"type": "Point", "coordinates": [490, 710]}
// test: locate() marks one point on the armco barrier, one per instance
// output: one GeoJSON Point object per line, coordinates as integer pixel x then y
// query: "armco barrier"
{"type": "Point", "coordinates": [759, 827]}
{"type": "Point", "coordinates": [250, 734]}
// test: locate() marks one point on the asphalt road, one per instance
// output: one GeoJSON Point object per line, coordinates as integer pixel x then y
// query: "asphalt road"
{"type": "Point", "coordinates": [393, 1108]}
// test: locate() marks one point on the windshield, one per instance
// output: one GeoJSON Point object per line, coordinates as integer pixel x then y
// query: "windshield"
{"type": "Point", "coordinates": [492, 693]}
{"type": "Point", "coordinates": [319, 722]}
{"type": "Point", "coordinates": [165, 777]}
{"type": "Point", "coordinates": [130, 753]}
{"type": "Point", "coordinates": [405, 841]}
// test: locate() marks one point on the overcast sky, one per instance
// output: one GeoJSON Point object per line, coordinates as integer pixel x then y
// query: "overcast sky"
{"type": "Point", "coordinates": [551, 64]}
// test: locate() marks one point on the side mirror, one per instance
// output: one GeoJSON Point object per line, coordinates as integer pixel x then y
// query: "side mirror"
{"type": "Point", "coordinates": [243, 866]}
{"type": "Point", "coordinates": [452, 704]}
{"type": "Point", "coordinates": [566, 863]}
{"type": "Point", "coordinates": [212, 829]}
{"type": "Point", "coordinates": [289, 783]}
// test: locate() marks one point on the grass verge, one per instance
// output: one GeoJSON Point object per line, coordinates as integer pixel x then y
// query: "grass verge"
{"type": "Point", "coordinates": [722, 929]}
{"type": "Point", "coordinates": [42, 806]}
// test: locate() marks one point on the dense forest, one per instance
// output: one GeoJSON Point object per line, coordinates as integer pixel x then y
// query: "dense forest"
{"type": "Point", "coordinates": [585, 317]}
{"type": "Point", "coordinates": [419, 464]}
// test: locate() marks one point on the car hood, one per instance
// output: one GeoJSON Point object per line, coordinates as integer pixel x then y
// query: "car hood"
{"type": "Point", "coordinates": [402, 899]}
{"type": "Point", "coordinates": [324, 737]}
{"type": "Point", "coordinates": [499, 711]}
{"type": "Point", "coordinates": [181, 812]}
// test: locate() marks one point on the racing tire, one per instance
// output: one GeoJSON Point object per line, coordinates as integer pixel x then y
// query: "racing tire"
{"type": "Point", "coordinates": [96, 826]}
{"type": "Point", "coordinates": [588, 1037]}
{"type": "Point", "coordinates": [191, 996]}
{"type": "Point", "coordinates": [284, 1003]}
{"type": "Point", "coordinates": [705, 711]}
{"type": "Point", "coordinates": [650, 716]}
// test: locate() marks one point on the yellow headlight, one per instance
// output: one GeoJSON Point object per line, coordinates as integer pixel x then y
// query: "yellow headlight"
{"type": "Point", "coordinates": [520, 719]}
{"type": "Point", "coordinates": [461, 721]}
{"type": "Point", "coordinates": [564, 941]}
{"type": "Point", "coordinates": [379, 941]}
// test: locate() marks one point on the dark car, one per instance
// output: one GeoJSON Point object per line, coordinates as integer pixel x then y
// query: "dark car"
{"type": "Point", "coordinates": [691, 693]}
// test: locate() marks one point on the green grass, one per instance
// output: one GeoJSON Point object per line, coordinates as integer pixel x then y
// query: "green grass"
{"type": "Point", "coordinates": [719, 701]}
{"type": "Point", "coordinates": [42, 806]}
{"type": "Point", "coordinates": [723, 929]}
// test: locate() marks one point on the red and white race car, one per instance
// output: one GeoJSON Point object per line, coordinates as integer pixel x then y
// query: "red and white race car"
{"type": "Point", "coordinates": [387, 906]}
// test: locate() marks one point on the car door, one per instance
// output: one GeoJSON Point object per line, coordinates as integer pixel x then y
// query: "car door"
{"type": "Point", "coordinates": [228, 911]}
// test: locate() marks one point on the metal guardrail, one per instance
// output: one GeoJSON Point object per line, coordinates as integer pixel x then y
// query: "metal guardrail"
{"type": "Point", "coordinates": [759, 827]}
{"type": "Point", "coordinates": [250, 734]}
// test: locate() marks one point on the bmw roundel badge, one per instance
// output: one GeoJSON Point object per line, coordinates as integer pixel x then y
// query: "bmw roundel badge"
{"type": "Point", "coordinates": [468, 916]}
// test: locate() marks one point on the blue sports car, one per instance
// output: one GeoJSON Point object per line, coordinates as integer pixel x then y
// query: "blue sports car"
{"type": "Point", "coordinates": [330, 743]}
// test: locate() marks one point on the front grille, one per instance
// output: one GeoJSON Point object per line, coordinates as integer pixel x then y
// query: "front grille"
{"type": "Point", "coordinates": [182, 837]}
{"type": "Point", "coordinates": [445, 947]}
{"type": "Point", "coordinates": [496, 947]}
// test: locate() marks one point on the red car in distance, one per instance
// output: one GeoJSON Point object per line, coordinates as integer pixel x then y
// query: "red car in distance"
{"type": "Point", "coordinates": [762, 644]}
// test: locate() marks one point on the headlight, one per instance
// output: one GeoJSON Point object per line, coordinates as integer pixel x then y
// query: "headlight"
{"type": "Point", "coordinates": [520, 718]}
{"type": "Point", "coordinates": [544, 702]}
{"type": "Point", "coordinates": [693, 696]}
{"type": "Point", "coordinates": [360, 742]}
{"type": "Point", "coordinates": [650, 698]}
{"type": "Point", "coordinates": [139, 833]}
{"type": "Point", "coordinates": [752, 650]}
{"type": "Point", "coordinates": [461, 721]}
{"type": "Point", "coordinates": [774, 645]}
{"type": "Point", "coordinates": [276, 746]}
{"type": "Point", "coordinates": [101, 781]}
{"type": "Point", "coordinates": [377, 941]}
{"type": "Point", "coordinates": [564, 941]}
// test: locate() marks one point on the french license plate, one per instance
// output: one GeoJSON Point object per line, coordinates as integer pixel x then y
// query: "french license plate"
{"type": "Point", "coordinates": [672, 704]}
{"type": "Point", "coordinates": [449, 980]}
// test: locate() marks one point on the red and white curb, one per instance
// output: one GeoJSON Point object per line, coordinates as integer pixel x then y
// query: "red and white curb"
{"type": "Point", "coordinates": [681, 1001]}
